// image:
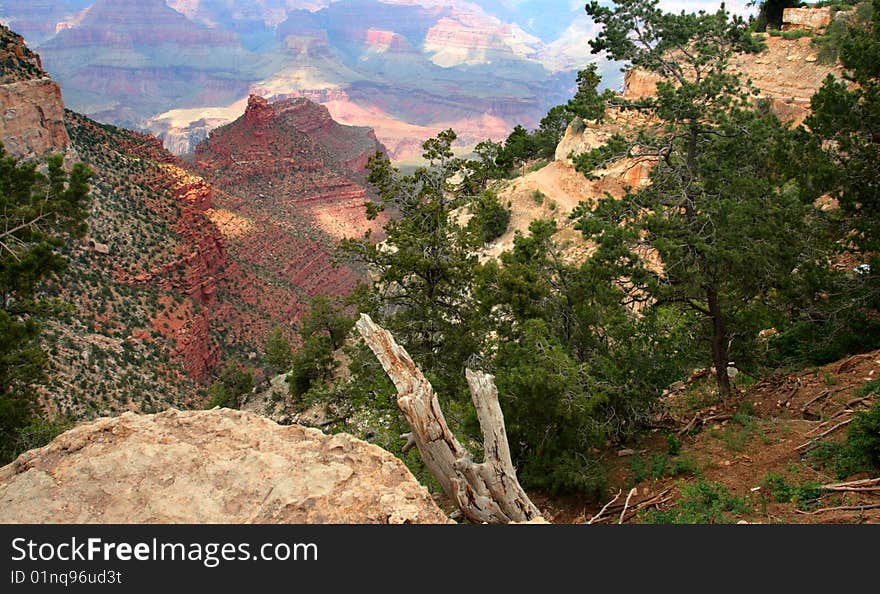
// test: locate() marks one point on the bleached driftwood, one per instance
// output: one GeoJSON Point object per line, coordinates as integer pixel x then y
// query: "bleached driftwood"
{"type": "Point", "coordinates": [488, 492]}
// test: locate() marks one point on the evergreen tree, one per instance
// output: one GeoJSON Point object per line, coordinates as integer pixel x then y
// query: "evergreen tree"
{"type": "Point", "coordinates": [231, 387]}
{"type": "Point", "coordinates": [845, 163]}
{"type": "Point", "coordinates": [519, 147]}
{"type": "Point", "coordinates": [723, 211]}
{"type": "Point", "coordinates": [848, 121]}
{"type": "Point", "coordinates": [490, 218]}
{"type": "Point", "coordinates": [37, 214]}
{"type": "Point", "coordinates": [323, 330]}
{"type": "Point", "coordinates": [588, 103]}
{"type": "Point", "coordinates": [279, 353]}
{"type": "Point", "coordinates": [424, 269]}
{"type": "Point", "coordinates": [574, 367]}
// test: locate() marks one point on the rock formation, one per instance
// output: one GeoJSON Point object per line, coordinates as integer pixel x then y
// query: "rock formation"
{"type": "Point", "coordinates": [806, 19]}
{"type": "Point", "coordinates": [217, 466]}
{"type": "Point", "coordinates": [296, 179]}
{"type": "Point", "coordinates": [787, 75]}
{"type": "Point", "coordinates": [417, 66]}
{"type": "Point", "coordinates": [31, 109]}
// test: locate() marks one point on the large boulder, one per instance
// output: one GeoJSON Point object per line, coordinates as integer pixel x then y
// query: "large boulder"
{"type": "Point", "coordinates": [218, 466]}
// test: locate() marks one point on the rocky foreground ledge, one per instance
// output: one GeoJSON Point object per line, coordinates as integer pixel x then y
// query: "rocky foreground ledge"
{"type": "Point", "coordinates": [217, 466]}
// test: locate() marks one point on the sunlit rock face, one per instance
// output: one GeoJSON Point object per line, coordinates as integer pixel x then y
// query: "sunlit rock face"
{"type": "Point", "coordinates": [210, 467]}
{"type": "Point", "coordinates": [32, 118]}
{"type": "Point", "coordinates": [810, 19]}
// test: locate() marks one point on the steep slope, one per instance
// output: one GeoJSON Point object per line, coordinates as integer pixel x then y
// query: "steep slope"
{"type": "Point", "coordinates": [787, 75]}
{"type": "Point", "coordinates": [217, 466]}
{"type": "Point", "coordinates": [149, 245]}
{"type": "Point", "coordinates": [142, 285]}
{"type": "Point", "coordinates": [32, 126]}
{"type": "Point", "coordinates": [293, 180]}
{"type": "Point", "coordinates": [764, 448]}
{"type": "Point", "coordinates": [175, 276]}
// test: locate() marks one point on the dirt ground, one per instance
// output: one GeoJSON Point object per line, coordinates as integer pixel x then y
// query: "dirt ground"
{"type": "Point", "coordinates": [767, 429]}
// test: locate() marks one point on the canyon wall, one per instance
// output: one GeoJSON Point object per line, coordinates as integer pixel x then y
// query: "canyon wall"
{"type": "Point", "coordinates": [31, 108]}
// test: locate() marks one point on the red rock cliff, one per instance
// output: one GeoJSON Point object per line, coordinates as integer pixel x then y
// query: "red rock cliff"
{"type": "Point", "coordinates": [293, 185]}
{"type": "Point", "coordinates": [31, 109]}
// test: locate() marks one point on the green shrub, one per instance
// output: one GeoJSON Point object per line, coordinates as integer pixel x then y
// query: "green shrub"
{"type": "Point", "coordinates": [491, 219]}
{"type": "Point", "coordinates": [39, 432]}
{"type": "Point", "coordinates": [673, 444]}
{"type": "Point", "coordinates": [861, 450]}
{"type": "Point", "coordinates": [701, 503]}
{"type": "Point", "coordinates": [863, 440]}
{"type": "Point", "coordinates": [567, 472]}
{"type": "Point", "coordinates": [229, 390]}
{"type": "Point", "coordinates": [797, 34]}
{"type": "Point", "coordinates": [782, 492]}
{"type": "Point", "coordinates": [279, 354]}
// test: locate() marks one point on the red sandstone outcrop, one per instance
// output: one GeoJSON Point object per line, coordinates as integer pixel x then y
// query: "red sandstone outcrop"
{"type": "Point", "coordinates": [31, 109]}
{"type": "Point", "coordinates": [217, 466]}
{"type": "Point", "coordinates": [188, 269]}
{"type": "Point", "coordinates": [294, 184]}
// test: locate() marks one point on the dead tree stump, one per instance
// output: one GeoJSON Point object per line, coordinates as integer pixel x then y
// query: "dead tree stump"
{"type": "Point", "coordinates": [488, 492]}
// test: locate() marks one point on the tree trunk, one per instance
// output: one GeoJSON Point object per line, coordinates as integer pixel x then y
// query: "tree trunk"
{"type": "Point", "coordinates": [486, 493]}
{"type": "Point", "coordinates": [720, 356]}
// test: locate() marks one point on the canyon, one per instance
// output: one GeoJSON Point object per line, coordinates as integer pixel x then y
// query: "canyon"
{"type": "Point", "coordinates": [177, 276]}
{"type": "Point", "coordinates": [179, 69]}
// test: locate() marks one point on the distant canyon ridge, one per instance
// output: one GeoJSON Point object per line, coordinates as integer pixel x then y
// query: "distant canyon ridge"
{"type": "Point", "coordinates": [406, 68]}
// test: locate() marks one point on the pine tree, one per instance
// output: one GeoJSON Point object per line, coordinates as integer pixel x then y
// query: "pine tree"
{"type": "Point", "coordinates": [279, 353]}
{"type": "Point", "coordinates": [424, 270]}
{"type": "Point", "coordinates": [37, 214]}
{"type": "Point", "coordinates": [722, 211]}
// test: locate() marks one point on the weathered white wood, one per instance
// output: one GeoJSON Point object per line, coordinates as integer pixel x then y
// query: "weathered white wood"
{"type": "Point", "coordinates": [486, 492]}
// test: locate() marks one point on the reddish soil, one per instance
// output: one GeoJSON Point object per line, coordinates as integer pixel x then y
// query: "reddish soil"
{"type": "Point", "coordinates": [777, 415]}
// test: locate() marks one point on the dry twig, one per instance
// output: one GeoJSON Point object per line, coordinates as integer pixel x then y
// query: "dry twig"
{"type": "Point", "coordinates": [823, 394]}
{"type": "Point", "coordinates": [840, 508]}
{"type": "Point", "coordinates": [784, 402]}
{"type": "Point", "coordinates": [607, 505]}
{"type": "Point", "coordinates": [816, 439]}
{"type": "Point", "coordinates": [626, 505]}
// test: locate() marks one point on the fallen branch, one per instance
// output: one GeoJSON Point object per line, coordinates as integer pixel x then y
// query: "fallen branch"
{"type": "Point", "coordinates": [823, 394]}
{"type": "Point", "coordinates": [655, 503]}
{"type": "Point", "coordinates": [815, 440]}
{"type": "Point", "coordinates": [488, 492]}
{"type": "Point", "coordinates": [626, 505]}
{"type": "Point", "coordinates": [703, 421]}
{"type": "Point", "coordinates": [851, 362]}
{"type": "Point", "coordinates": [852, 403]}
{"type": "Point", "coordinates": [839, 415]}
{"type": "Point", "coordinates": [862, 486]}
{"type": "Point", "coordinates": [607, 505]}
{"type": "Point", "coordinates": [652, 501]}
{"type": "Point", "coordinates": [841, 508]}
{"type": "Point", "coordinates": [790, 395]}
{"type": "Point", "coordinates": [859, 483]}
